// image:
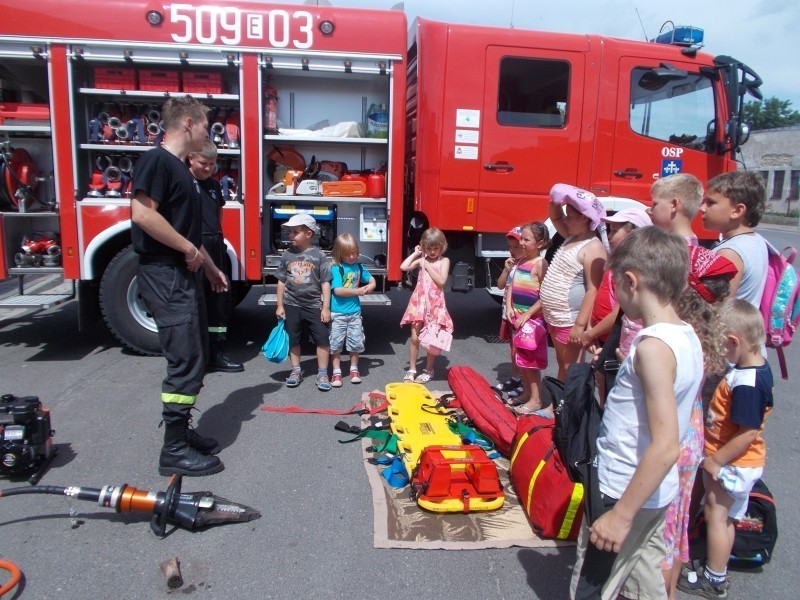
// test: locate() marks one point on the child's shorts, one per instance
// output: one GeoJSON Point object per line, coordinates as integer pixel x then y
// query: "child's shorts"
{"type": "Point", "coordinates": [560, 334]}
{"type": "Point", "coordinates": [347, 326]}
{"type": "Point", "coordinates": [312, 317]}
{"type": "Point", "coordinates": [737, 482]}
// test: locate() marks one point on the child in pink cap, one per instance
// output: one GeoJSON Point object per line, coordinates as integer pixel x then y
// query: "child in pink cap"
{"type": "Point", "coordinates": [569, 288]}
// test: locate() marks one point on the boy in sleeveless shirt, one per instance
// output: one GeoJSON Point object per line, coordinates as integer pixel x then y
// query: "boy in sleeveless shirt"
{"type": "Point", "coordinates": [646, 414]}
{"type": "Point", "coordinates": [733, 206]}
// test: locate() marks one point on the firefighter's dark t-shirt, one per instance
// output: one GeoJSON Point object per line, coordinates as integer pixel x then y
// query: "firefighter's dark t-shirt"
{"type": "Point", "coordinates": [166, 179]}
{"type": "Point", "coordinates": [213, 201]}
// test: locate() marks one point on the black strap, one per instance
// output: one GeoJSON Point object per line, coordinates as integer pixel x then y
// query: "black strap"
{"type": "Point", "coordinates": [607, 362]}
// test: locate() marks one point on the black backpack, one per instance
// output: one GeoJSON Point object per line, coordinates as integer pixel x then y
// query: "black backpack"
{"type": "Point", "coordinates": [756, 533]}
{"type": "Point", "coordinates": [578, 419]}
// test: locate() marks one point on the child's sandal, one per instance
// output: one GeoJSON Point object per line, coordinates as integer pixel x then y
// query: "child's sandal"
{"type": "Point", "coordinates": [424, 377]}
{"type": "Point", "coordinates": [409, 376]}
{"type": "Point", "coordinates": [294, 379]}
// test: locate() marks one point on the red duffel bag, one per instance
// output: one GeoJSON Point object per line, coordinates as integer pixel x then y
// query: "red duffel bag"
{"type": "Point", "coordinates": [482, 406]}
{"type": "Point", "coordinates": [553, 503]}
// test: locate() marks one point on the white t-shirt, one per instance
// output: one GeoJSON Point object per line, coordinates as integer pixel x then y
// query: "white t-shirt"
{"type": "Point", "coordinates": [752, 250]}
{"type": "Point", "coordinates": [624, 433]}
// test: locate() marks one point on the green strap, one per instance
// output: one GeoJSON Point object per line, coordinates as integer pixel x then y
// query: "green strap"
{"type": "Point", "coordinates": [470, 434]}
{"type": "Point", "coordinates": [388, 440]}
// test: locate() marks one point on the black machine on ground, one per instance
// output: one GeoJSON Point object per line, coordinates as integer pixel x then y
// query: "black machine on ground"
{"type": "Point", "coordinates": [26, 439]}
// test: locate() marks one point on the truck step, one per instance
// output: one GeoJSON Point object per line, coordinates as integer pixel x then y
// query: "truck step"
{"type": "Point", "coordinates": [35, 300]}
{"type": "Point", "coordinates": [368, 300]}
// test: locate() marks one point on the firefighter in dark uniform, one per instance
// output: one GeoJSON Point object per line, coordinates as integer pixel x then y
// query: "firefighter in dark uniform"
{"type": "Point", "coordinates": [166, 234]}
{"type": "Point", "coordinates": [218, 304]}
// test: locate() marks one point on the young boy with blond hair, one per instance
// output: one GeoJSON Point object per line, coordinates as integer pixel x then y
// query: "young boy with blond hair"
{"type": "Point", "coordinates": [676, 200]}
{"type": "Point", "coordinates": [735, 452]}
{"type": "Point", "coordinates": [646, 414]}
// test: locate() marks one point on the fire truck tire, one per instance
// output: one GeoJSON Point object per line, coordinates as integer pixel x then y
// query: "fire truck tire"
{"type": "Point", "coordinates": [123, 310]}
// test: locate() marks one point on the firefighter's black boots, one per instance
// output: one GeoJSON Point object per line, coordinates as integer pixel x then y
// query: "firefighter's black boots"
{"type": "Point", "coordinates": [183, 451]}
{"type": "Point", "coordinates": [217, 361]}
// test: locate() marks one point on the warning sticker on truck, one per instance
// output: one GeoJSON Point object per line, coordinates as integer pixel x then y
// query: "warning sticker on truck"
{"type": "Point", "coordinates": [466, 136]}
{"type": "Point", "coordinates": [468, 152]}
{"type": "Point", "coordinates": [466, 117]}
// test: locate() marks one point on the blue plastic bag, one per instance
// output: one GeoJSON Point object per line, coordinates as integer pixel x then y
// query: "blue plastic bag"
{"type": "Point", "coordinates": [276, 348]}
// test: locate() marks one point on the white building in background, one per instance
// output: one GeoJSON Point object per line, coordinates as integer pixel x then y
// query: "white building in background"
{"type": "Point", "coordinates": [775, 153]}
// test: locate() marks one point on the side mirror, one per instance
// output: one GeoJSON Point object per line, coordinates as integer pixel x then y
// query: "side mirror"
{"type": "Point", "coordinates": [744, 133]}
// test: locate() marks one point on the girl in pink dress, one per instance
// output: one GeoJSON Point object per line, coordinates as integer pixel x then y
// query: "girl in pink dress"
{"type": "Point", "coordinates": [427, 314]}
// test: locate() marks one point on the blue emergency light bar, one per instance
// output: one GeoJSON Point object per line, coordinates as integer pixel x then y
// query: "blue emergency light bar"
{"type": "Point", "coordinates": [681, 35]}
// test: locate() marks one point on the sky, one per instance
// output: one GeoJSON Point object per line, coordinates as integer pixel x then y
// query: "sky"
{"type": "Point", "coordinates": [761, 33]}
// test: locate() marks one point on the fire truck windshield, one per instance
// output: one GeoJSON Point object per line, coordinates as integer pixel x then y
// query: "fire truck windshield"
{"type": "Point", "coordinates": [676, 109]}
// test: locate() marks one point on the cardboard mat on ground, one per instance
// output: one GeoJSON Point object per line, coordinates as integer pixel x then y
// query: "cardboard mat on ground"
{"type": "Point", "coordinates": [400, 523]}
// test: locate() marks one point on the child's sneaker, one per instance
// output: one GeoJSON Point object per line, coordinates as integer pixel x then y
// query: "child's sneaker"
{"type": "Point", "coordinates": [323, 383]}
{"type": "Point", "coordinates": [336, 380]}
{"type": "Point", "coordinates": [355, 376]}
{"type": "Point", "coordinates": [696, 584]}
{"type": "Point", "coordinates": [516, 392]}
{"type": "Point", "coordinates": [508, 384]}
{"type": "Point", "coordinates": [409, 376]}
{"type": "Point", "coordinates": [294, 379]}
{"type": "Point", "coordinates": [424, 377]}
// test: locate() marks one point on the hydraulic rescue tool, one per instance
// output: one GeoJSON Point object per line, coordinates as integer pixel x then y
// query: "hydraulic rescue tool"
{"type": "Point", "coordinates": [190, 510]}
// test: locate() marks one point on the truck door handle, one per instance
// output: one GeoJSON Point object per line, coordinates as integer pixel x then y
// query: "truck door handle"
{"type": "Point", "coordinates": [499, 167]}
{"type": "Point", "coordinates": [628, 173]}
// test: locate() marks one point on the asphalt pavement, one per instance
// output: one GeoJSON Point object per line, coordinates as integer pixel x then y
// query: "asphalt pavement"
{"type": "Point", "coordinates": [314, 539]}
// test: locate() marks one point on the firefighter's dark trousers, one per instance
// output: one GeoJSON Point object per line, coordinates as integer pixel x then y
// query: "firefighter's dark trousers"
{"type": "Point", "coordinates": [174, 296]}
{"type": "Point", "coordinates": [218, 304]}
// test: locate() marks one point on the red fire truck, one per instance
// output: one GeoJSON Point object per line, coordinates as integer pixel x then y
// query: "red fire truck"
{"type": "Point", "coordinates": [329, 111]}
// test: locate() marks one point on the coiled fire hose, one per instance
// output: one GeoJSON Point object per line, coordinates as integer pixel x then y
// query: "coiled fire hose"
{"type": "Point", "coordinates": [15, 573]}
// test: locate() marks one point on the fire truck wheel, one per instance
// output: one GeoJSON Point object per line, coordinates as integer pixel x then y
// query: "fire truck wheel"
{"type": "Point", "coordinates": [122, 307]}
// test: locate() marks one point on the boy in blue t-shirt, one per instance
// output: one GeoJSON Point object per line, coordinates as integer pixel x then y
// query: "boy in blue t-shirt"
{"type": "Point", "coordinates": [350, 280]}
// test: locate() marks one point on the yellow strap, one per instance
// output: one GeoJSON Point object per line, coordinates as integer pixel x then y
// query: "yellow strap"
{"type": "Point", "coordinates": [516, 451]}
{"type": "Point", "coordinates": [177, 398]}
{"type": "Point", "coordinates": [538, 470]}
{"type": "Point", "coordinates": [572, 510]}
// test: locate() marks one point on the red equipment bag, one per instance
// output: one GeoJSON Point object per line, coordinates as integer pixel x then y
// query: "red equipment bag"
{"type": "Point", "coordinates": [553, 503]}
{"type": "Point", "coordinates": [482, 406]}
{"type": "Point", "coordinates": [456, 479]}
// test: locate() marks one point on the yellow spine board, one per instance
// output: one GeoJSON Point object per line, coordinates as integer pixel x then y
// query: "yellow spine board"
{"type": "Point", "coordinates": [416, 429]}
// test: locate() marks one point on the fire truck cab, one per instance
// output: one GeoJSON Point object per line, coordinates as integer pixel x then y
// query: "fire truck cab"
{"type": "Point", "coordinates": [497, 116]}
{"type": "Point", "coordinates": [328, 111]}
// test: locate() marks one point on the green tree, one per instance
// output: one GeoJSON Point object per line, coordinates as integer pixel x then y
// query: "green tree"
{"type": "Point", "coordinates": [770, 113]}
